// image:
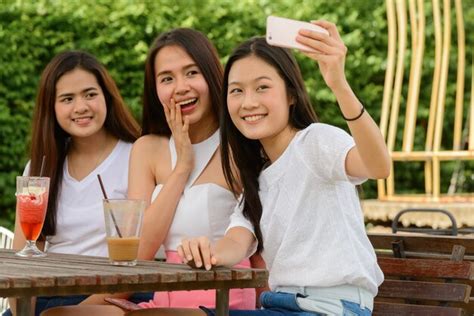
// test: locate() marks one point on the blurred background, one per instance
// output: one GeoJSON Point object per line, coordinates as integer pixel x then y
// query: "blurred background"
{"type": "Point", "coordinates": [119, 33]}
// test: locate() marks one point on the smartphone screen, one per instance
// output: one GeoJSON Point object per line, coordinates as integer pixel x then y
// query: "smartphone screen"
{"type": "Point", "coordinates": [282, 32]}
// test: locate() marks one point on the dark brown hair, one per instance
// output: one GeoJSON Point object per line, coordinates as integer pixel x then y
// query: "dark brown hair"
{"type": "Point", "coordinates": [246, 153]}
{"type": "Point", "coordinates": [204, 54]}
{"type": "Point", "coordinates": [50, 140]}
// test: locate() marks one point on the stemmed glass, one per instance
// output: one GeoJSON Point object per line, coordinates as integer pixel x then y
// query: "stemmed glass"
{"type": "Point", "coordinates": [31, 203]}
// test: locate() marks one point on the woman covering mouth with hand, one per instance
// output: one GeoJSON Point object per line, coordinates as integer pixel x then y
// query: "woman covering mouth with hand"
{"type": "Point", "coordinates": [176, 165]}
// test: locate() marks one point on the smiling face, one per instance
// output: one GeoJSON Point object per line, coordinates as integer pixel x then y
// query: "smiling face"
{"type": "Point", "coordinates": [257, 99]}
{"type": "Point", "coordinates": [178, 77]}
{"type": "Point", "coordinates": [80, 106]}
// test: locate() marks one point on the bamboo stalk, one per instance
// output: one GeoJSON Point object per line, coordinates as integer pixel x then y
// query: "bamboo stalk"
{"type": "Point", "coordinates": [434, 95]}
{"type": "Point", "coordinates": [428, 155]}
{"type": "Point", "coordinates": [471, 117]}
{"type": "Point", "coordinates": [417, 22]}
{"type": "Point", "coordinates": [442, 94]}
{"type": "Point", "coordinates": [458, 114]}
{"type": "Point", "coordinates": [388, 84]}
{"type": "Point", "coordinates": [392, 132]}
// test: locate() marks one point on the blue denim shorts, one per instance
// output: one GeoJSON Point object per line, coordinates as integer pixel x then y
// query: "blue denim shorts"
{"type": "Point", "coordinates": [280, 303]}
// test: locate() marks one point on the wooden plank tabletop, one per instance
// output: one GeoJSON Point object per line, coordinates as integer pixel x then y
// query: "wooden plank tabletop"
{"type": "Point", "coordinates": [62, 274]}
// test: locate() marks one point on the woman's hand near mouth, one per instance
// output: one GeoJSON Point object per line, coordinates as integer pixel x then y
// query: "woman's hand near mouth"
{"type": "Point", "coordinates": [179, 127]}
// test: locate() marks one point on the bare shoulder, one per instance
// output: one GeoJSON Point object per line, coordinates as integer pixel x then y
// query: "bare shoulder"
{"type": "Point", "coordinates": [151, 152]}
{"type": "Point", "coordinates": [150, 144]}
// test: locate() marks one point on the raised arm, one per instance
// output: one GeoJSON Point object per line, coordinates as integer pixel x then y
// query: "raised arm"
{"type": "Point", "coordinates": [147, 161]}
{"type": "Point", "coordinates": [369, 158]}
{"type": "Point", "coordinates": [145, 167]}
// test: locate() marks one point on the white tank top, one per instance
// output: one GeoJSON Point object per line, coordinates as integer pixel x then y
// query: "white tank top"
{"type": "Point", "coordinates": [80, 227]}
{"type": "Point", "coordinates": [204, 209]}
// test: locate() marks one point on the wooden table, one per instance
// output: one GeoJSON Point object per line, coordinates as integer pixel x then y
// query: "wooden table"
{"type": "Point", "coordinates": [61, 274]}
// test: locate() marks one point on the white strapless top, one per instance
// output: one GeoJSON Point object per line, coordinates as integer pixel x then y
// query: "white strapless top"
{"type": "Point", "coordinates": [204, 209]}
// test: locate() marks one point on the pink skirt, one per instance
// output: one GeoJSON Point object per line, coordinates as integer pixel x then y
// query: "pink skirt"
{"type": "Point", "coordinates": [238, 298]}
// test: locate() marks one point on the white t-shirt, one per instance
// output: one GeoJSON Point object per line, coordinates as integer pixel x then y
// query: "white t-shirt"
{"type": "Point", "coordinates": [312, 223]}
{"type": "Point", "coordinates": [80, 227]}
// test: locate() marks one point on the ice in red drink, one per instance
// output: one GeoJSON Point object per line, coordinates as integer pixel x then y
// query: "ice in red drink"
{"type": "Point", "coordinates": [32, 210]}
{"type": "Point", "coordinates": [31, 205]}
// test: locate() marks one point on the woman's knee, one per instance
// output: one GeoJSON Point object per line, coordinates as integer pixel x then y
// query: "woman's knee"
{"type": "Point", "coordinates": [166, 312]}
{"type": "Point", "coordinates": [89, 310]}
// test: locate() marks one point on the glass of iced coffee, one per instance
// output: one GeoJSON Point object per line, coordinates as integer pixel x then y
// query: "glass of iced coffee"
{"type": "Point", "coordinates": [123, 224]}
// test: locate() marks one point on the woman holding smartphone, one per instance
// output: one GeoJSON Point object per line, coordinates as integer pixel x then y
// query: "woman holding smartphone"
{"type": "Point", "coordinates": [299, 206]}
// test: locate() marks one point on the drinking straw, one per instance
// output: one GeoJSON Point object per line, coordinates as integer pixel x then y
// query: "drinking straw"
{"type": "Point", "coordinates": [42, 165]}
{"type": "Point", "coordinates": [40, 174]}
{"type": "Point", "coordinates": [111, 211]}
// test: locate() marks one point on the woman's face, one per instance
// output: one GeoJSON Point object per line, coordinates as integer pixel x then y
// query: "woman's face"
{"type": "Point", "coordinates": [178, 77]}
{"type": "Point", "coordinates": [257, 100]}
{"type": "Point", "coordinates": [80, 106]}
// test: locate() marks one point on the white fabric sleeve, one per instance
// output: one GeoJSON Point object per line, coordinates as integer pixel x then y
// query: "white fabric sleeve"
{"type": "Point", "coordinates": [237, 219]}
{"type": "Point", "coordinates": [325, 148]}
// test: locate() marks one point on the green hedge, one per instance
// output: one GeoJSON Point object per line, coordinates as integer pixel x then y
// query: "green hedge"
{"type": "Point", "coordinates": [119, 32]}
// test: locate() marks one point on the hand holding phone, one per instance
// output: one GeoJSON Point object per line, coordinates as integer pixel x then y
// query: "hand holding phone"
{"type": "Point", "coordinates": [282, 32]}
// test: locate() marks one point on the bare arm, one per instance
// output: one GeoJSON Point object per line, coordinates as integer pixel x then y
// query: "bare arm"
{"type": "Point", "coordinates": [369, 158]}
{"type": "Point", "coordinates": [227, 251]}
{"type": "Point", "coordinates": [159, 214]}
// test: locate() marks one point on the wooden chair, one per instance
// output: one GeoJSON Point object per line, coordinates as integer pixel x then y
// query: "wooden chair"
{"type": "Point", "coordinates": [424, 287]}
{"type": "Point", "coordinates": [424, 274]}
{"type": "Point", "coordinates": [423, 246]}
{"type": "Point", "coordinates": [6, 242]}
{"type": "Point", "coordinates": [6, 238]}
{"type": "Point", "coordinates": [394, 113]}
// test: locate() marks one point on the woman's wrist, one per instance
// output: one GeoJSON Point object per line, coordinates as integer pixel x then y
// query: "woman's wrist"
{"type": "Point", "coordinates": [341, 88]}
{"type": "Point", "coordinates": [182, 171]}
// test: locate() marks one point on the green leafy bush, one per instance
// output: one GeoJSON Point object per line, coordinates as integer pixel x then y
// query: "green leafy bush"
{"type": "Point", "coordinates": [119, 33]}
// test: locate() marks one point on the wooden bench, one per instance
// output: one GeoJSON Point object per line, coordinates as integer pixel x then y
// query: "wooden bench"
{"type": "Point", "coordinates": [423, 246]}
{"type": "Point", "coordinates": [424, 275]}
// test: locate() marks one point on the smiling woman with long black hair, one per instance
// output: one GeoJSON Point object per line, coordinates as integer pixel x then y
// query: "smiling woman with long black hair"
{"type": "Point", "coordinates": [83, 128]}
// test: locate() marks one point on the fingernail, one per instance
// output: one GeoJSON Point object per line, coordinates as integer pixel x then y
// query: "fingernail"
{"type": "Point", "coordinates": [198, 264]}
{"type": "Point", "coordinates": [189, 258]}
{"type": "Point", "coordinates": [208, 267]}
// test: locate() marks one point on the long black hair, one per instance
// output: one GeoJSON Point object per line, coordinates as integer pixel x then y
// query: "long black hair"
{"type": "Point", "coordinates": [247, 154]}
{"type": "Point", "coordinates": [201, 50]}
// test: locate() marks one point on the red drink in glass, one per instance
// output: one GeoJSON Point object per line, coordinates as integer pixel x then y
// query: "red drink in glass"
{"type": "Point", "coordinates": [32, 210]}
{"type": "Point", "coordinates": [31, 204]}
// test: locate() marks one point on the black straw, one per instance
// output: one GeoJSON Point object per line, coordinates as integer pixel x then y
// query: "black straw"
{"type": "Point", "coordinates": [111, 211]}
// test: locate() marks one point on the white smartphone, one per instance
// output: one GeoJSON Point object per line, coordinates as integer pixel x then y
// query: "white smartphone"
{"type": "Point", "coordinates": [282, 32]}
